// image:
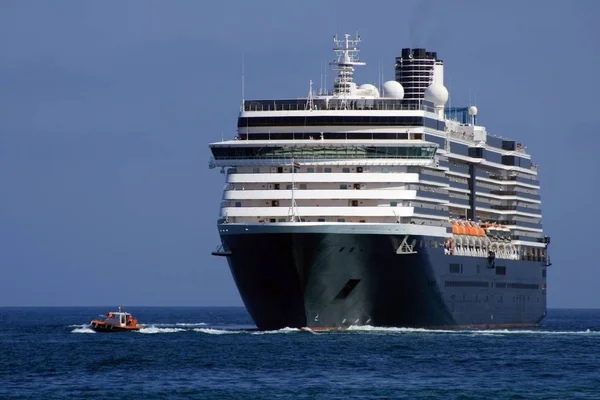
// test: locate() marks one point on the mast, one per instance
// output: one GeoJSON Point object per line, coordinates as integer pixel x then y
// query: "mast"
{"type": "Point", "coordinates": [346, 51]}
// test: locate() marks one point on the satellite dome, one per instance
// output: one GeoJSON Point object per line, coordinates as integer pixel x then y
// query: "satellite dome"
{"type": "Point", "coordinates": [472, 110]}
{"type": "Point", "coordinates": [437, 94]}
{"type": "Point", "coordinates": [393, 89]}
{"type": "Point", "coordinates": [367, 90]}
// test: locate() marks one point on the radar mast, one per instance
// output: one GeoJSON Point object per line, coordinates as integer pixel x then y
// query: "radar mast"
{"type": "Point", "coordinates": [346, 51]}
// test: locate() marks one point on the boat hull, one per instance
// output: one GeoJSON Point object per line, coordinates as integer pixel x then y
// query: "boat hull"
{"type": "Point", "coordinates": [99, 326]}
{"type": "Point", "coordinates": [325, 279]}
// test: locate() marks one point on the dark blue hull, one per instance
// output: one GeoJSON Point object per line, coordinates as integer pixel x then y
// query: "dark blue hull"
{"type": "Point", "coordinates": [327, 280]}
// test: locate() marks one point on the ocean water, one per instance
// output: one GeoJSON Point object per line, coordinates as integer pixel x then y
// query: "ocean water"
{"type": "Point", "coordinates": [214, 353]}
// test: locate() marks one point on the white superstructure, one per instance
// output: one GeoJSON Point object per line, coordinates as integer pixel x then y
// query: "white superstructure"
{"type": "Point", "coordinates": [363, 154]}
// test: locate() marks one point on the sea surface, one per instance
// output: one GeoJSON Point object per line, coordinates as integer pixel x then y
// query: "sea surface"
{"type": "Point", "coordinates": [216, 353]}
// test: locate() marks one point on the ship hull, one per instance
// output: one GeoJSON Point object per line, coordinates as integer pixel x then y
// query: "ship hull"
{"type": "Point", "coordinates": [325, 279]}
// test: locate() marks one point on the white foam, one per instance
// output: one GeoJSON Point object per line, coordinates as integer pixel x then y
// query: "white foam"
{"type": "Point", "coordinates": [369, 328]}
{"type": "Point", "coordinates": [211, 331]}
{"type": "Point", "coordinates": [154, 329]}
{"type": "Point", "coordinates": [482, 332]}
{"type": "Point", "coordinates": [81, 329]}
{"type": "Point", "coordinates": [191, 324]}
{"type": "Point", "coordinates": [532, 332]}
{"type": "Point", "coordinates": [181, 324]}
{"type": "Point", "coordinates": [282, 330]}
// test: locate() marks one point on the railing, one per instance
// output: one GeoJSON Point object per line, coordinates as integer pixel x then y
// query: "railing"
{"type": "Point", "coordinates": [338, 104]}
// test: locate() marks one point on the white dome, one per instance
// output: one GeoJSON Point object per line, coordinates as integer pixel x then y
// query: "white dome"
{"type": "Point", "coordinates": [437, 94]}
{"type": "Point", "coordinates": [472, 110]}
{"type": "Point", "coordinates": [393, 89]}
{"type": "Point", "coordinates": [367, 90]}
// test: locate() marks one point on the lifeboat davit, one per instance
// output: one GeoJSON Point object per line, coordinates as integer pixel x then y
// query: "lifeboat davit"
{"type": "Point", "coordinates": [116, 321]}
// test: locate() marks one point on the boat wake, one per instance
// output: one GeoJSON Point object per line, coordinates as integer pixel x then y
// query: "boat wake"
{"type": "Point", "coordinates": [180, 325]}
{"type": "Point", "coordinates": [155, 329]}
{"type": "Point", "coordinates": [203, 328]}
{"type": "Point", "coordinates": [282, 330]}
{"type": "Point", "coordinates": [85, 328]}
{"type": "Point", "coordinates": [212, 331]}
{"type": "Point", "coordinates": [474, 332]}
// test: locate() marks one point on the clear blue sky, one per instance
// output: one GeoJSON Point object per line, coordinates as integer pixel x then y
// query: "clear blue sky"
{"type": "Point", "coordinates": [106, 110]}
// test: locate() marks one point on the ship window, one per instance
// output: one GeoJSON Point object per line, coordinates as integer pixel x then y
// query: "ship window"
{"type": "Point", "coordinates": [280, 219]}
{"type": "Point", "coordinates": [275, 203]}
{"type": "Point", "coordinates": [347, 289]}
{"type": "Point", "coordinates": [279, 170]}
{"type": "Point", "coordinates": [500, 270]}
{"type": "Point", "coordinates": [238, 203]}
{"type": "Point", "coordinates": [385, 170]}
{"type": "Point", "coordinates": [288, 187]}
{"type": "Point", "coordinates": [393, 203]}
{"type": "Point", "coordinates": [544, 273]}
{"type": "Point", "coordinates": [327, 169]}
{"type": "Point", "coordinates": [303, 186]}
{"type": "Point", "coordinates": [345, 169]}
{"type": "Point", "coordinates": [277, 186]}
{"type": "Point", "coordinates": [354, 203]}
{"type": "Point", "coordinates": [455, 268]}
{"type": "Point", "coordinates": [256, 170]}
{"type": "Point", "coordinates": [321, 220]}
{"type": "Point", "coordinates": [310, 169]}
{"type": "Point", "coordinates": [271, 219]}
{"type": "Point", "coordinates": [341, 220]}
{"type": "Point", "coordinates": [359, 169]}
{"type": "Point", "coordinates": [343, 186]}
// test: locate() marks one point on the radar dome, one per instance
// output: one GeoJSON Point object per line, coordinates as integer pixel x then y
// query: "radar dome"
{"type": "Point", "coordinates": [472, 110]}
{"type": "Point", "coordinates": [437, 94]}
{"type": "Point", "coordinates": [367, 90]}
{"type": "Point", "coordinates": [393, 89]}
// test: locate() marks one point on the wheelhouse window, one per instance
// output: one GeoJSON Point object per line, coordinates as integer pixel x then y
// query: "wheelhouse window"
{"type": "Point", "coordinates": [321, 152]}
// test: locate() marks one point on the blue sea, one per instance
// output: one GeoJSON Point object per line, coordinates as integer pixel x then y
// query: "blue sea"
{"type": "Point", "coordinates": [216, 353]}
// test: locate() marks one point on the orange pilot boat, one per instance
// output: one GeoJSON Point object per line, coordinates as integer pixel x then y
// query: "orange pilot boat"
{"type": "Point", "coordinates": [116, 321]}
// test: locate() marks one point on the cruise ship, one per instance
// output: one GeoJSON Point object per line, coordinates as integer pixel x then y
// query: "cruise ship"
{"type": "Point", "coordinates": [380, 205]}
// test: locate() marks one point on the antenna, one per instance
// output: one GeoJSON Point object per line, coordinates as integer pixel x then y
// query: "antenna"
{"type": "Point", "coordinates": [450, 95]}
{"type": "Point", "coordinates": [379, 77]}
{"type": "Point", "coordinates": [321, 83]}
{"type": "Point", "coordinates": [242, 78]}
{"type": "Point", "coordinates": [346, 50]}
{"type": "Point", "coordinates": [309, 100]}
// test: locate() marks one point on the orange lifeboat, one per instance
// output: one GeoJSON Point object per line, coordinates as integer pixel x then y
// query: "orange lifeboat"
{"type": "Point", "coordinates": [454, 228]}
{"type": "Point", "coordinates": [116, 321]}
{"type": "Point", "coordinates": [471, 229]}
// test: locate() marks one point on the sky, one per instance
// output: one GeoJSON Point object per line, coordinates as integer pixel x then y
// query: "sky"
{"type": "Point", "coordinates": [107, 109]}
